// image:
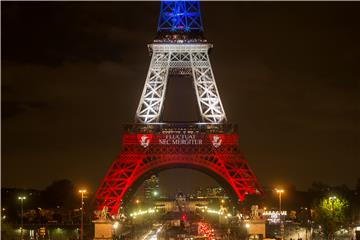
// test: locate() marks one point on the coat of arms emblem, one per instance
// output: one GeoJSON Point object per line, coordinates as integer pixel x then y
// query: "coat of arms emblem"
{"type": "Point", "coordinates": [216, 141]}
{"type": "Point", "coordinates": [144, 141]}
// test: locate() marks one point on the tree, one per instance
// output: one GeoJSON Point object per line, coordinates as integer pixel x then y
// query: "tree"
{"type": "Point", "coordinates": [319, 188]}
{"type": "Point", "coordinates": [60, 193]}
{"type": "Point", "coordinates": [331, 213]}
{"type": "Point", "coordinates": [358, 185]}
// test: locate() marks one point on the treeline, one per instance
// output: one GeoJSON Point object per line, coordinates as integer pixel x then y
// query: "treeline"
{"type": "Point", "coordinates": [61, 195]}
{"type": "Point", "coordinates": [294, 199]}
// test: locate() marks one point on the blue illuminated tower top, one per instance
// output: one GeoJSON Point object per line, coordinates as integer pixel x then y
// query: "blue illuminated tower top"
{"type": "Point", "coordinates": [180, 18]}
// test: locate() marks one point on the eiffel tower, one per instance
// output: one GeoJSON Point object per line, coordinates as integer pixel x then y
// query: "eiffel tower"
{"type": "Point", "coordinates": [151, 145]}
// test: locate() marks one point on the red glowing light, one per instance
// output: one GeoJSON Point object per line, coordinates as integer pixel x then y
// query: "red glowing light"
{"type": "Point", "coordinates": [204, 229]}
{"type": "Point", "coordinates": [142, 153]}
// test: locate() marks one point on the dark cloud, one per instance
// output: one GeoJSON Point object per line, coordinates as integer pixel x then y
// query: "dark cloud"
{"type": "Point", "coordinates": [11, 109]}
{"type": "Point", "coordinates": [57, 32]}
{"type": "Point", "coordinates": [287, 72]}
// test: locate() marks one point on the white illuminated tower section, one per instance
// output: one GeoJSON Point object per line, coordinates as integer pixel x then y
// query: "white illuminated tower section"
{"type": "Point", "coordinates": [181, 49]}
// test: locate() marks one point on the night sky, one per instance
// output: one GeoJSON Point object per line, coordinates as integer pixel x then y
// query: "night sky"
{"type": "Point", "coordinates": [73, 73]}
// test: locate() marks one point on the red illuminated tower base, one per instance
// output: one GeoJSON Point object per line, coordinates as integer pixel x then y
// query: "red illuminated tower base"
{"type": "Point", "coordinates": [210, 148]}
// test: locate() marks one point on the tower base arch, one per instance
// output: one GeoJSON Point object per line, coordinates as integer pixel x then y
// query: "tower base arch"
{"type": "Point", "coordinates": [146, 148]}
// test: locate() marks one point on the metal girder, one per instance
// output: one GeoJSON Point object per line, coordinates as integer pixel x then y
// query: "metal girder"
{"type": "Point", "coordinates": [194, 57]}
{"type": "Point", "coordinates": [136, 160]}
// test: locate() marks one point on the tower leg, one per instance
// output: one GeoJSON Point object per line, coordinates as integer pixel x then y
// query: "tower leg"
{"type": "Point", "coordinates": [210, 105]}
{"type": "Point", "coordinates": [153, 95]}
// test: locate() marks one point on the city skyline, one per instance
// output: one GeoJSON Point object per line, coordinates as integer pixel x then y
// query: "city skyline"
{"type": "Point", "coordinates": [69, 83]}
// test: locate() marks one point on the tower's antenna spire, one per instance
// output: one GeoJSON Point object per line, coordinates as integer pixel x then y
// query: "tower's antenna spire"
{"type": "Point", "coordinates": [180, 17]}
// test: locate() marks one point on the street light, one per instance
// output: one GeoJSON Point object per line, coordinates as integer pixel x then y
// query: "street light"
{"type": "Point", "coordinates": [280, 192]}
{"type": "Point", "coordinates": [82, 191]}
{"type": "Point", "coordinates": [22, 198]}
{"type": "Point", "coordinates": [116, 225]}
{"type": "Point", "coordinates": [332, 199]}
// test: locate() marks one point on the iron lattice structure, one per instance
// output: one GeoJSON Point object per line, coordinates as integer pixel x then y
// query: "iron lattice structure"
{"type": "Point", "coordinates": [184, 58]}
{"type": "Point", "coordinates": [180, 16]}
{"type": "Point", "coordinates": [150, 145]}
{"type": "Point", "coordinates": [145, 149]}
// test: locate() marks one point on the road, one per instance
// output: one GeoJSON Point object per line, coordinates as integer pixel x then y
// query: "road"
{"type": "Point", "coordinates": [152, 234]}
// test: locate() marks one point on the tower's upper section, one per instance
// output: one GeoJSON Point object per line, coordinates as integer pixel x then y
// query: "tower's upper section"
{"type": "Point", "coordinates": [180, 20]}
{"type": "Point", "coordinates": [180, 51]}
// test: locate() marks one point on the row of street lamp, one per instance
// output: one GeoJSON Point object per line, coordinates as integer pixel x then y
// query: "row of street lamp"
{"type": "Point", "coordinates": [83, 192]}
{"type": "Point", "coordinates": [22, 198]}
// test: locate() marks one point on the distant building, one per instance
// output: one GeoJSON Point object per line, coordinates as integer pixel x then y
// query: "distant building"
{"type": "Point", "coordinates": [210, 192]}
{"type": "Point", "coordinates": [181, 204]}
{"type": "Point", "coordinates": [151, 188]}
{"type": "Point", "coordinates": [180, 201]}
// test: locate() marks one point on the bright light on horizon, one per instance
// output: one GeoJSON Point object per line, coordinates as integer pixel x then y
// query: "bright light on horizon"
{"type": "Point", "coordinates": [279, 190]}
{"type": "Point", "coordinates": [116, 225]}
{"type": "Point", "coordinates": [332, 198]}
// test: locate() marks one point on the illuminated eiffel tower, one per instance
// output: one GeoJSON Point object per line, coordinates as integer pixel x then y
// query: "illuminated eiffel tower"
{"type": "Point", "coordinates": [150, 145]}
